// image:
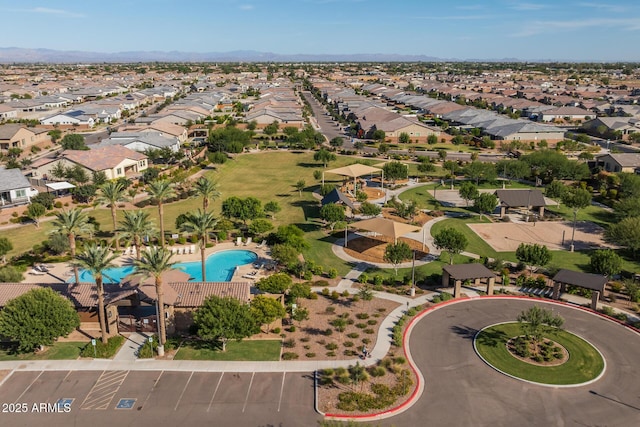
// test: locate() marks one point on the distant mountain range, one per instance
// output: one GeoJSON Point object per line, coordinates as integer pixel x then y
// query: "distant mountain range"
{"type": "Point", "coordinates": [22, 55]}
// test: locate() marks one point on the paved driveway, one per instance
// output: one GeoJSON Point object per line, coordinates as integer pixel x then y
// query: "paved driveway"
{"type": "Point", "coordinates": [460, 390]}
{"type": "Point", "coordinates": [160, 398]}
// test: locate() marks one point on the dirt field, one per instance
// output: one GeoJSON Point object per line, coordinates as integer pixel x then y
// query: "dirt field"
{"type": "Point", "coordinates": [505, 237]}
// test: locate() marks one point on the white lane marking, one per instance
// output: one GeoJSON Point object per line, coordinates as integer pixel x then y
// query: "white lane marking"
{"type": "Point", "coordinates": [28, 387]}
{"type": "Point", "coordinates": [152, 388]}
{"type": "Point", "coordinates": [246, 399]}
{"type": "Point", "coordinates": [214, 392]}
{"type": "Point", "coordinates": [183, 390]}
{"type": "Point", "coordinates": [281, 390]}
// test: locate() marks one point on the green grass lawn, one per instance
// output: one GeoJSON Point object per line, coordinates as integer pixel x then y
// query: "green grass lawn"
{"type": "Point", "coordinates": [58, 351]}
{"type": "Point", "coordinates": [431, 270]}
{"type": "Point", "coordinates": [591, 213]}
{"type": "Point", "coordinates": [256, 350]}
{"type": "Point", "coordinates": [321, 253]}
{"type": "Point", "coordinates": [584, 363]}
{"type": "Point", "coordinates": [475, 244]}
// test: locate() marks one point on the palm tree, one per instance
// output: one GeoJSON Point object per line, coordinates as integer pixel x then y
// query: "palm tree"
{"type": "Point", "coordinates": [112, 192]}
{"type": "Point", "coordinates": [136, 225]}
{"type": "Point", "coordinates": [72, 223]}
{"type": "Point", "coordinates": [208, 189]}
{"type": "Point", "coordinates": [95, 260]}
{"type": "Point", "coordinates": [200, 223]}
{"type": "Point", "coordinates": [161, 190]}
{"type": "Point", "coordinates": [156, 262]}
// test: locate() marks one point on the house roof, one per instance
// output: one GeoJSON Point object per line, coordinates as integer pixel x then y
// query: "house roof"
{"type": "Point", "coordinates": [625, 160]}
{"type": "Point", "coordinates": [102, 158]}
{"type": "Point", "coordinates": [520, 198]}
{"type": "Point", "coordinates": [82, 295]}
{"type": "Point", "coordinates": [193, 294]}
{"type": "Point", "coordinates": [585, 280]}
{"type": "Point", "coordinates": [336, 196]}
{"type": "Point", "coordinates": [12, 179]}
{"type": "Point", "coordinates": [9, 130]}
{"type": "Point", "coordinates": [468, 271]}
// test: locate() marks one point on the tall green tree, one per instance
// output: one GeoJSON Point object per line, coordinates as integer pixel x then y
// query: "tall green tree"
{"type": "Point", "coordinates": [72, 223]}
{"type": "Point", "coordinates": [200, 223]}
{"type": "Point", "coordinates": [324, 156]}
{"type": "Point", "coordinates": [266, 310]}
{"type": "Point", "coordinates": [396, 254]}
{"type": "Point", "coordinates": [35, 211]}
{"type": "Point", "coordinates": [111, 193]}
{"type": "Point", "coordinates": [272, 208]}
{"type": "Point", "coordinates": [96, 259]}
{"type": "Point", "coordinates": [331, 213]}
{"type": "Point", "coordinates": [394, 171]}
{"type": "Point", "coordinates": [533, 255]}
{"type": "Point", "coordinates": [208, 190]}
{"type": "Point", "coordinates": [223, 319]}
{"type": "Point", "coordinates": [626, 233]}
{"type": "Point", "coordinates": [468, 191]}
{"type": "Point", "coordinates": [277, 283]}
{"type": "Point", "coordinates": [160, 191]}
{"type": "Point", "coordinates": [605, 262]}
{"type": "Point", "coordinates": [478, 171]}
{"type": "Point", "coordinates": [300, 185]}
{"type": "Point", "coordinates": [155, 263]}
{"type": "Point", "coordinates": [135, 226]}
{"type": "Point", "coordinates": [73, 141]}
{"type": "Point", "coordinates": [450, 240]}
{"type": "Point", "coordinates": [37, 318]}
{"type": "Point", "coordinates": [485, 203]}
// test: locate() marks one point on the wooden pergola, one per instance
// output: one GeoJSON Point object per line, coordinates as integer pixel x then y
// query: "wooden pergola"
{"type": "Point", "coordinates": [386, 227]}
{"type": "Point", "coordinates": [593, 282]}
{"type": "Point", "coordinates": [354, 171]}
{"type": "Point", "coordinates": [463, 272]}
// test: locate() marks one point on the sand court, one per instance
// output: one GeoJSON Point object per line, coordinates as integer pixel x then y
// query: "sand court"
{"type": "Point", "coordinates": [505, 237]}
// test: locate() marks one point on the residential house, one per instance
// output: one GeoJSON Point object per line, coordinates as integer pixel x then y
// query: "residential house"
{"type": "Point", "coordinates": [620, 162]}
{"type": "Point", "coordinates": [15, 135]}
{"type": "Point", "coordinates": [15, 188]}
{"type": "Point", "coordinates": [7, 112]}
{"type": "Point", "coordinates": [115, 161]}
{"type": "Point", "coordinates": [565, 113]}
{"type": "Point", "coordinates": [612, 127]}
{"type": "Point", "coordinates": [142, 141]}
{"type": "Point", "coordinates": [73, 118]}
{"type": "Point", "coordinates": [169, 129]}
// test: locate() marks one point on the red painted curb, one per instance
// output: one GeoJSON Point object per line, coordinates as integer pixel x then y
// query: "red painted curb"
{"type": "Point", "coordinates": [411, 400]}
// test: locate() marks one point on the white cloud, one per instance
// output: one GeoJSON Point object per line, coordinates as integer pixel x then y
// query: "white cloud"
{"type": "Point", "coordinates": [49, 11]}
{"type": "Point", "coordinates": [607, 7]}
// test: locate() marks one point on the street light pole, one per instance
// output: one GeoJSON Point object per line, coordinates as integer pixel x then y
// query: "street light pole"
{"type": "Point", "coordinates": [573, 232]}
{"type": "Point", "coordinates": [412, 292]}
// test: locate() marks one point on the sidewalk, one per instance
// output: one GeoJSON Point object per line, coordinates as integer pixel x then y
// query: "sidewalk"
{"type": "Point", "coordinates": [129, 350]}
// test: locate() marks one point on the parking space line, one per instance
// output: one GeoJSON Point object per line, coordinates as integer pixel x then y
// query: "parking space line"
{"type": "Point", "coordinates": [281, 390]}
{"type": "Point", "coordinates": [29, 386]}
{"type": "Point", "coordinates": [246, 399]}
{"type": "Point", "coordinates": [104, 390]}
{"type": "Point", "coordinates": [214, 392]}
{"type": "Point", "coordinates": [183, 390]}
{"type": "Point", "coordinates": [152, 388]}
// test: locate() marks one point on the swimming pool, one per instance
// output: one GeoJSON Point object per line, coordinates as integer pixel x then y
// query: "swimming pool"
{"type": "Point", "coordinates": [220, 265]}
{"type": "Point", "coordinates": [220, 268]}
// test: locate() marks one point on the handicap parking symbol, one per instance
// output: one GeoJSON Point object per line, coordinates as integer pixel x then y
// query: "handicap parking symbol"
{"type": "Point", "coordinates": [125, 403]}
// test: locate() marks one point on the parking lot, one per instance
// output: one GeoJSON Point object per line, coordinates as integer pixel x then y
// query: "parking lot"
{"type": "Point", "coordinates": [144, 398]}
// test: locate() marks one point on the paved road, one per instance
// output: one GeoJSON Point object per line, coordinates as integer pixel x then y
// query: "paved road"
{"type": "Point", "coordinates": [328, 127]}
{"type": "Point", "coordinates": [460, 390]}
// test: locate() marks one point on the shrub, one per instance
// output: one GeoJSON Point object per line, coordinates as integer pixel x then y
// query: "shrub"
{"type": "Point", "coordinates": [335, 295]}
{"type": "Point", "coordinates": [353, 335]}
{"type": "Point", "coordinates": [292, 328]}
{"type": "Point", "coordinates": [361, 325]}
{"type": "Point", "coordinates": [345, 293]}
{"type": "Point", "coordinates": [9, 274]}
{"type": "Point", "coordinates": [104, 351]}
{"type": "Point", "coordinates": [289, 356]}
{"type": "Point", "coordinates": [58, 205]}
{"type": "Point", "coordinates": [331, 346]}
{"type": "Point", "coordinates": [368, 331]}
{"type": "Point", "coordinates": [332, 273]}
{"type": "Point", "coordinates": [348, 344]}
{"type": "Point", "coordinates": [372, 322]}
{"type": "Point", "coordinates": [305, 339]}
{"type": "Point", "coordinates": [325, 292]}
{"type": "Point", "coordinates": [328, 332]}
{"type": "Point", "coordinates": [330, 354]}
{"type": "Point", "coordinates": [290, 343]}
{"type": "Point", "coordinates": [378, 371]}
{"type": "Point", "coordinates": [362, 316]}
{"type": "Point", "coordinates": [330, 310]}
{"type": "Point", "coordinates": [310, 355]}
{"type": "Point", "coordinates": [276, 330]}
{"type": "Point", "coordinates": [400, 360]}
{"type": "Point", "coordinates": [366, 341]}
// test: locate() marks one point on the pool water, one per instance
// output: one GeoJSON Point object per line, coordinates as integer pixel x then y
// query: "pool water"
{"type": "Point", "coordinates": [220, 265]}
{"type": "Point", "coordinates": [220, 268]}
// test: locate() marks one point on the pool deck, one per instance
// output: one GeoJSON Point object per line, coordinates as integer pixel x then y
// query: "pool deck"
{"type": "Point", "coordinates": [60, 272]}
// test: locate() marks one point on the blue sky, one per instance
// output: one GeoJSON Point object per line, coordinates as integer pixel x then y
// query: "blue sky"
{"type": "Point", "coordinates": [490, 29]}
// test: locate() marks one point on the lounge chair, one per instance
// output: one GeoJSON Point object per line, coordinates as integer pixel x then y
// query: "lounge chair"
{"type": "Point", "coordinates": [36, 272]}
{"type": "Point", "coordinates": [192, 249]}
{"type": "Point", "coordinates": [262, 244]}
{"type": "Point", "coordinates": [248, 242]}
{"type": "Point", "coordinates": [239, 241]}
